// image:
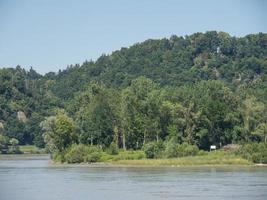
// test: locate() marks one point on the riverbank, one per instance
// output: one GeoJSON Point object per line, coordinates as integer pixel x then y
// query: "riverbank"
{"type": "Point", "coordinates": [197, 161]}
{"type": "Point", "coordinates": [184, 161]}
{"type": "Point", "coordinates": [138, 159]}
{"type": "Point", "coordinates": [130, 159]}
{"type": "Point", "coordinates": [194, 161]}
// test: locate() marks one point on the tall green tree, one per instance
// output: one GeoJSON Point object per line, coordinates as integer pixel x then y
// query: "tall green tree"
{"type": "Point", "coordinates": [58, 132]}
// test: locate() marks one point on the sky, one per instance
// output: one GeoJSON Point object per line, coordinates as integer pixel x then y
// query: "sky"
{"type": "Point", "coordinates": [51, 34]}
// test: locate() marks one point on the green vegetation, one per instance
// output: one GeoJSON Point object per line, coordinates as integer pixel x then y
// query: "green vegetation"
{"type": "Point", "coordinates": [169, 98]}
{"type": "Point", "coordinates": [153, 149]}
{"type": "Point", "coordinates": [31, 149]}
{"type": "Point", "coordinates": [186, 155]}
{"type": "Point", "coordinates": [207, 159]}
{"type": "Point", "coordinates": [9, 145]}
{"type": "Point", "coordinates": [82, 153]}
{"type": "Point", "coordinates": [254, 152]}
{"type": "Point", "coordinates": [90, 154]}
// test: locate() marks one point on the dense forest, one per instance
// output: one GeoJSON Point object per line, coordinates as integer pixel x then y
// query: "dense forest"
{"type": "Point", "coordinates": [202, 89]}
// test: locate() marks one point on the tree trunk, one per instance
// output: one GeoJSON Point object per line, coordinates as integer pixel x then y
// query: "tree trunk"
{"type": "Point", "coordinates": [116, 135]}
{"type": "Point", "coordinates": [123, 141]}
{"type": "Point", "coordinates": [144, 140]}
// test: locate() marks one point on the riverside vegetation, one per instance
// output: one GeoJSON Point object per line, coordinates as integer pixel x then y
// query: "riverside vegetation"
{"type": "Point", "coordinates": [164, 100]}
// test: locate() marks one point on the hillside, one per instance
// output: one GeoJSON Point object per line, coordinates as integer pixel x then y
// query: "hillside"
{"type": "Point", "coordinates": [200, 89]}
{"type": "Point", "coordinates": [176, 61]}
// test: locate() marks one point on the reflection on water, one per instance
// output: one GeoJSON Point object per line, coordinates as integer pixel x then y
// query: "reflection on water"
{"type": "Point", "coordinates": [35, 178]}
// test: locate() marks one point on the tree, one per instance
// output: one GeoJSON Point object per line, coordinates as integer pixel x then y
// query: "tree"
{"type": "Point", "coordinates": [48, 127]}
{"type": "Point", "coordinates": [3, 143]}
{"type": "Point", "coordinates": [251, 111]}
{"type": "Point", "coordinates": [58, 132]}
{"type": "Point", "coordinates": [140, 112]}
{"type": "Point", "coordinates": [261, 130]}
{"type": "Point", "coordinates": [14, 148]}
{"type": "Point", "coordinates": [95, 116]}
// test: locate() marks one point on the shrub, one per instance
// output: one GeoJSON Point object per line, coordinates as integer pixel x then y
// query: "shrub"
{"type": "Point", "coordinates": [93, 157]}
{"type": "Point", "coordinates": [255, 152]}
{"type": "Point", "coordinates": [153, 149]}
{"type": "Point", "coordinates": [187, 150]}
{"type": "Point", "coordinates": [58, 157]}
{"type": "Point", "coordinates": [82, 153]}
{"type": "Point", "coordinates": [14, 150]}
{"type": "Point", "coordinates": [174, 150]}
{"type": "Point", "coordinates": [171, 149]}
{"type": "Point", "coordinates": [113, 149]}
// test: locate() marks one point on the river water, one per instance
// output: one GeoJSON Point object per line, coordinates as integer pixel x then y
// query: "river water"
{"type": "Point", "coordinates": [35, 178]}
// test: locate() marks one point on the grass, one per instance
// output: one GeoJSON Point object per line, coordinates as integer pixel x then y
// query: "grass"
{"type": "Point", "coordinates": [123, 155]}
{"type": "Point", "coordinates": [138, 159]}
{"type": "Point", "coordinates": [31, 149]}
{"type": "Point", "coordinates": [212, 158]}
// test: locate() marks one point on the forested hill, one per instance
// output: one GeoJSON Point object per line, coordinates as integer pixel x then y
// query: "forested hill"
{"type": "Point", "coordinates": [176, 61]}
{"type": "Point", "coordinates": [227, 74]}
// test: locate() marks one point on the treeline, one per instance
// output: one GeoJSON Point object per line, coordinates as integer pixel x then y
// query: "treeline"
{"type": "Point", "coordinates": [203, 114]}
{"type": "Point", "coordinates": [206, 88]}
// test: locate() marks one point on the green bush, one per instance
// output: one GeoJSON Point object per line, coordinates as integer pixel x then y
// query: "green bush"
{"type": "Point", "coordinates": [9, 145]}
{"type": "Point", "coordinates": [14, 150]}
{"type": "Point", "coordinates": [153, 149]}
{"type": "Point", "coordinates": [58, 157]}
{"type": "Point", "coordinates": [187, 150]}
{"type": "Point", "coordinates": [255, 152]}
{"type": "Point", "coordinates": [171, 149]}
{"type": "Point", "coordinates": [82, 153]}
{"type": "Point", "coordinates": [174, 150]}
{"type": "Point", "coordinates": [93, 157]}
{"type": "Point", "coordinates": [113, 149]}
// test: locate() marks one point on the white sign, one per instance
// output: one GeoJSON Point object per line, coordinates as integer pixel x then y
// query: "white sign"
{"type": "Point", "coordinates": [213, 147]}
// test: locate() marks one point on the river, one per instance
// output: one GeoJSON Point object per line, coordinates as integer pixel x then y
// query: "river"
{"type": "Point", "coordinates": [36, 178]}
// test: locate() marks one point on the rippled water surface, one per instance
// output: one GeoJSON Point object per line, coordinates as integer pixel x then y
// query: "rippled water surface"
{"type": "Point", "coordinates": [35, 178]}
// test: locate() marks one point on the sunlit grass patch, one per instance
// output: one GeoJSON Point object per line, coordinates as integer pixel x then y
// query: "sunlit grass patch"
{"type": "Point", "coordinates": [213, 158]}
{"type": "Point", "coordinates": [31, 149]}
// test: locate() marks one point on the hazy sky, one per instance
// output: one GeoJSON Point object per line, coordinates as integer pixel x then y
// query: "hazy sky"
{"type": "Point", "coordinates": [51, 34]}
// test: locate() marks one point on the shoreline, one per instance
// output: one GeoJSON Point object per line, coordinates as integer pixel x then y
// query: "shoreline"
{"type": "Point", "coordinates": [117, 165]}
{"type": "Point", "coordinates": [152, 163]}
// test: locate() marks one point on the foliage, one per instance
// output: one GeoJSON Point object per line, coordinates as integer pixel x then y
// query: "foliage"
{"type": "Point", "coordinates": [131, 155]}
{"type": "Point", "coordinates": [210, 158]}
{"type": "Point", "coordinates": [153, 149]}
{"type": "Point", "coordinates": [202, 89]}
{"type": "Point", "coordinates": [82, 153]}
{"type": "Point", "coordinates": [261, 130]}
{"type": "Point", "coordinates": [171, 149]}
{"type": "Point", "coordinates": [3, 143]}
{"type": "Point", "coordinates": [58, 132]}
{"type": "Point", "coordinates": [174, 150]}
{"type": "Point", "coordinates": [255, 152]}
{"type": "Point", "coordinates": [9, 145]}
{"type": "Point", "coordinates": [32, 149]}
{"type": "Point", "coordinates": [113, 149]}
